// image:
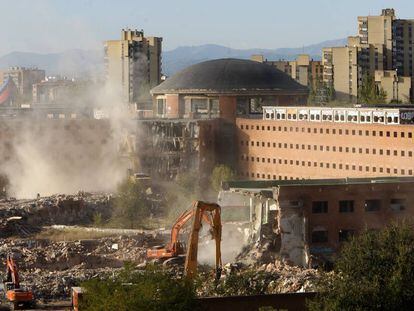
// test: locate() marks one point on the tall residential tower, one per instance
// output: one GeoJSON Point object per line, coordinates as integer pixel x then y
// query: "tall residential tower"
{"type": "Point", "coordinates": [383, 49]}
{"type": "Point", "coordinates": [133, 65]}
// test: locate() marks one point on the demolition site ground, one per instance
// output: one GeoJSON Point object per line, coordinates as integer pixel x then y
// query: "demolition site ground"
{"type": "Point", "coordinates": [57, 245]}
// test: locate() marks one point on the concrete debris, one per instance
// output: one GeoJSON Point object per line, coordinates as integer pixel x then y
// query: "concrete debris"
{"type": "Point", "coordinates": [272, 278]}
{"type": "Point", "coordinates": [52, 268]}
{"type": "Point", "coordinates": [25, 217]}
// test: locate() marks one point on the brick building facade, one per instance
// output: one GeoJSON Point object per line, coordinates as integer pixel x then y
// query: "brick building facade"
{"type": "Point", "coordinates": [314, 217]}
{"type": "Point", "coordinates": [292, 149]}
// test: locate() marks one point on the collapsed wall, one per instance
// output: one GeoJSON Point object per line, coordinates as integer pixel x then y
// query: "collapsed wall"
{"type": "Point", "coordinates": [168, 148]}
{"type": "Point", "coordinates": [276, 229]}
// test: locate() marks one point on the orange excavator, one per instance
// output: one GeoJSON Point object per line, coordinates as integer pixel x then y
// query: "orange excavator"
{"type": "Point", "coordinates": [18, 297]}
{"type": "Point", "coordinates": [214, 212]}
{"type": "Point", "coordinates": [175, 250]}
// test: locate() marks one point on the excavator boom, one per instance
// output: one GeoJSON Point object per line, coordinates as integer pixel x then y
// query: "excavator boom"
{"type": "Point", "coordinates": [200, 210]}
{"type": "Point", "coordinates": [175, 248]}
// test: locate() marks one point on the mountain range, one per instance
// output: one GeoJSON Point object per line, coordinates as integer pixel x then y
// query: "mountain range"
{"type": "Point", "coordinates": [77, 62]}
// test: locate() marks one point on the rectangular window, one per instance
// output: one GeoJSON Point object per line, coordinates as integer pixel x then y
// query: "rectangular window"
{"type": "Point", "coordinates": [397, 204]}
{"type": "Point", "coordinates": [346, 206]}
{"type": "Point", "coordinates": [199, 105]}
{"type": "Point", "coordinates": [372, 205]}
{"type": "Point", "coordinates": [161, 106]}
{"type": "Point", "coordinates": [345, 234]}
{"type": "Point", "coordinates": [319, 236]}
{"type": "Point", "coordinates": [319, 207]}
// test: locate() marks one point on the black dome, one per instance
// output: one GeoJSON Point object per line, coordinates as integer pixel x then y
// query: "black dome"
{"type": "Point", "coordinates": [230, 76]}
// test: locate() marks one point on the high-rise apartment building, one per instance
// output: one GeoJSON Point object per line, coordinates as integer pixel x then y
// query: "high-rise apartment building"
{"type": "Point", "coordinates": [304, 70]}
{"type": "Point", "coordinates": [383, 44]}
{"type": "Point", "coordinates": [403, 45]}
{"type": "Point", "coordinates": [133, 65]}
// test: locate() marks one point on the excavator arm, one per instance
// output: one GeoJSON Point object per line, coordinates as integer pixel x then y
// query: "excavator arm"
{"type": "Point", "coordinates": [181, 221]}
{"type": "Point", "coordinates": [175, 247]}
{"type": "Point", "coordinates": [201, 210]}
{"type": "Point", "coordinates": [12, 274]}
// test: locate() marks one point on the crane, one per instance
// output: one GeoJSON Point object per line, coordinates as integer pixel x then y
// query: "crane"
{"type": "Point", "coordinates": [15, 294]}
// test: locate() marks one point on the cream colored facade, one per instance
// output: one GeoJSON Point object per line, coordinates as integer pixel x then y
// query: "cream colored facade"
{"type": "Point", "coordinates": [397, 87]}
{"type": "Point", "coordinates": [133, 65]}
{"type": "Point", "coordinates": [377, 30]}
{"type": "Point", "coordinates": [383, 45]}
{"type": "Point", "coordinates": [304, 70]}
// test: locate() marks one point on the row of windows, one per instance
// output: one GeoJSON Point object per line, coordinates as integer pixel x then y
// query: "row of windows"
{"type": "Point", "coordinates": [359, 150]}
{"type": "Point", "coordinates": [315, 130]}
{"type": "Point", "coordinates": [321, 236]}
{"type": "Point", "coordinates": [336, 115]}
{"type": "Point", "coordinates": [353, 167]}
{"type": "Point", "coordinates": [340, 166]}
{"type": "Point", "coordinates": [348, 206]}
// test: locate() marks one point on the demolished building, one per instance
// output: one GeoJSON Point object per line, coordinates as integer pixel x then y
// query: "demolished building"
{"type": "Point", "coordinates": [307, 221]}
{"type": "Point", "coordinates": [194, 113]}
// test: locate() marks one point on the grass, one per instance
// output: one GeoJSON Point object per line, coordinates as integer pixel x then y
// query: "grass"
{"type": "Point", "coordinates": [71, 234]}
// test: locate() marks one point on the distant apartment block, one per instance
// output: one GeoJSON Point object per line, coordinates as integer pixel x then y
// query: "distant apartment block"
{"type": "Point", "coordinates": [53, 92]}
{"type": "Point", "coordinates": [383, 49]}
{"type": "Point", "coordinates": [304, 70]}
{"type": "Point", "coordinates": [133, 65]}
{"type": "Point", "coordinates": [23, 79]}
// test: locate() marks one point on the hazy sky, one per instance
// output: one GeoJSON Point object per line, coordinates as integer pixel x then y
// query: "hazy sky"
{"type": "Point", "coordinates": [57, 25]}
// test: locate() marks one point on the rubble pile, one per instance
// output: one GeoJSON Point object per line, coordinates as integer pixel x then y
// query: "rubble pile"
{"type": "Point", "coordinates": [272, 278]}
{"type": "Point", "coordinates": [52, 268]}
{"type": "Point", "coordinates": [264, 251]}
{"type": "Point", "coordinates": [25, 217]}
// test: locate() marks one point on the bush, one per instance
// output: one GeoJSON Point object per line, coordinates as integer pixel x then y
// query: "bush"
{"type": "Point", "coordinates": [375, 271]}
{"type": "Point", "coordinates": [131, 206]}
{"type": "Point", "coordinates": [139, 290]}
{"type": "Point", "coordinates": [220, 173]}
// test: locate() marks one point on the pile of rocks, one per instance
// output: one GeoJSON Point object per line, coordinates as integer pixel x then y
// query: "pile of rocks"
{"type": "Point", "coordinates": [52, 268]}
{"type": "Point", "coordinates": [272, 278]}
{"type": "Point", "coordinates": [25, 217]}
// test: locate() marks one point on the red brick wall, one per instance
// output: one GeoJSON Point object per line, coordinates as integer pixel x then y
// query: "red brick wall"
{"type": "Point", "coordinates": [359, 220]}
{"type": "Point", "coordinates": [228, 107]}
{"type": "Point", "coordinates": [286, 149]}
{"type": "Point", "coordinates": [172, 105]}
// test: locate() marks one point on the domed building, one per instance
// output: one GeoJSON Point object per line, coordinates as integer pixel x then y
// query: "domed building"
{"type": "Point", "coordinates": [195, 113]}
{"type": "Point", "coordinates": [225, 88]}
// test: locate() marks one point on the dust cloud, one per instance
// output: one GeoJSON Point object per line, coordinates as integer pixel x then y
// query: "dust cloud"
{"type": "Point", "coordinates": [232, 242]}
{"type": "Point", "coordinates": [48, 156]}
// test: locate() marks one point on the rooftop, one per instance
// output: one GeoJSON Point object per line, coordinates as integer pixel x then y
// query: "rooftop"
{"type": "Point", "coordinates": [262, 184]}
{"type": "Point", "coordinates": [230, 76]}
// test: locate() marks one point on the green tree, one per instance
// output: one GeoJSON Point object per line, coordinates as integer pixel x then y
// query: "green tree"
{"type": "Point", "coordinates": [139, 290]}
{"type": "Point", "coordinates": [131, 206]}
{"type": "Point", "coordinates": [375, 271]}
{"type": "Point", "coordinates": [220, 173]}
{"type": "Point", "coordinates": [369, 92]}
{"type": "Point", "coordinates": [189, 181]}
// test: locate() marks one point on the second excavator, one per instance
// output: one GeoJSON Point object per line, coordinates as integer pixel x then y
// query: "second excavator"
{"type": "Point", "coordinates": [17, 296]}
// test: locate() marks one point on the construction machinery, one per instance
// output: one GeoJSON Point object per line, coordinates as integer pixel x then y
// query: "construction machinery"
{"type": "Point", "coordinates": [176, 249]}
{"type": "Point", "coordinates": [214, 212]}
{"type": "Point", "coordinates": [17, 296]}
